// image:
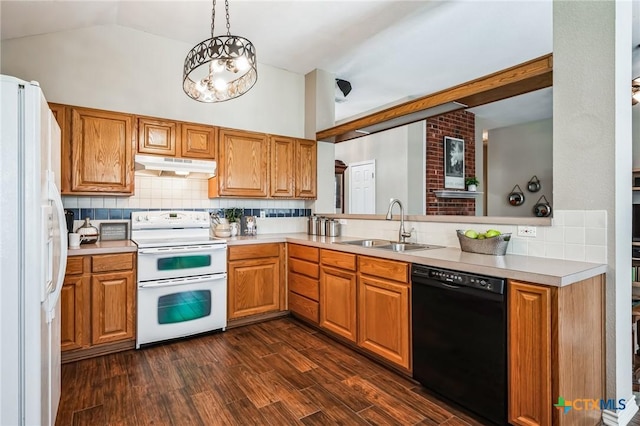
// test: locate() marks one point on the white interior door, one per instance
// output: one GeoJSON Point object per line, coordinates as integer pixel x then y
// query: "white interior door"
{"type": "Point", "coordinates": [362, 187]}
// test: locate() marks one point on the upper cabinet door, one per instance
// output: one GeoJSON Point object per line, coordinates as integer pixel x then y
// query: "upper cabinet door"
{"type": "Point", "coordinates": [157, 137]}
{"type": "Point", "coordinates": [242, 166]}
{"type": "Point", "coordinates": [198, 141]}
{"type": "Point", "coordinates": [101, 150]}
{"type": "Point", "coordinates": [306, 168]}
{"type": "Point", "coordinates": [282, 166]}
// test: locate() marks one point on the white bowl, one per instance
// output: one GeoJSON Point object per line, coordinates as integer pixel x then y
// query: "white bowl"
{"type": "Point", "coordinates": [222, 233]}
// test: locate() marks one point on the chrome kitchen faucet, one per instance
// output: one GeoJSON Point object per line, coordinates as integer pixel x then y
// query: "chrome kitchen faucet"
{"type": "Point", "coordinates": [402, 234]}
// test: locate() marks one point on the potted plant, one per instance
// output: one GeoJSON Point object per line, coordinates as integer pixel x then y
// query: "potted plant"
{"type": "Point", "coordinates": [233, 216]}
{"type": "Point", "coordinates": [472, 183]}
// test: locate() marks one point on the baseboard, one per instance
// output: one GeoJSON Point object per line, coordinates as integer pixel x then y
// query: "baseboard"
{"type": "Point", "coordinates": [621, 417]}
{"type": "Point", "coordinates": [252, 319]}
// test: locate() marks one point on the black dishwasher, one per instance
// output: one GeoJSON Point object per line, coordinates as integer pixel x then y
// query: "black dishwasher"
{"type": "Point", "coordinates": [459, 338]}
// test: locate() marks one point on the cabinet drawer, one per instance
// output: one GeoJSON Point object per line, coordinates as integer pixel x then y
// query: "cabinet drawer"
{"type": "Point", "coordinates": [388, 269]}
{"type": "Point", "coordinates": [304, 286]}
{"type": "Point", "coordinates": [112, 262]}
{"type": "Point", "coordinates": [75, 265]}
{"type": "Point", "coordinates": [305, 268]}
{"type": "Point", "coordinates": [254, 251]}
{"type": "Point", "coordinates": [303, 307]}
{"type": "Point", "coordinates": [312, 254]}
{"type": "Point", "coordinates": [338, 259]}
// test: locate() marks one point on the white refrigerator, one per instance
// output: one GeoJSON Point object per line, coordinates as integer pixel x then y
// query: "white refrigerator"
{"type": "Point", "coordinates": [33, 256]}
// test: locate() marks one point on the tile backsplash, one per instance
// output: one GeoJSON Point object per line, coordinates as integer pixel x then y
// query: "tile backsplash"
{"type": "Point", "coordinates": [174, 193]}
{"type": "Point", "coordinates": [574, 235]}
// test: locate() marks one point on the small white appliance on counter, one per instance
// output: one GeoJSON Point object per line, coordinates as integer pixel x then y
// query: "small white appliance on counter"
{"type": "Point", "coordinates": [182, 275]}
{"type": "Point", "coordinates": [33, 256]}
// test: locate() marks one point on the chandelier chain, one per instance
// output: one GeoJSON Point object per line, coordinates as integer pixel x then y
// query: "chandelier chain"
{"type": "Point", "coordinates": [226, 8]}
{"type": "Point", "coordinates": [213, 17]}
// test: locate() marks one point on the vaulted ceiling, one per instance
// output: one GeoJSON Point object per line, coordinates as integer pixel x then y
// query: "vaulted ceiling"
{"type": "Point", "coordinates": [389, 49]}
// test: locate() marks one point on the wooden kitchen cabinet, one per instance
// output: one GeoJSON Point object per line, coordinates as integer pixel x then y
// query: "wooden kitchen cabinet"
{"type": "Point", "coordinates": [176, 139]}
{"type": "Point", "coordinates": [242, 164]}
{"type": "Point", "coordinates": [97, 152]}
{"type": "Point", "coordinates": [293, 167]}
{"type": "Point", "coordinates": [74, 305]}
{"type": "Point", "coordinates": [157, 137]}
{"type": "Point", "coordinates": [253, 279]}
{"type": "Point", "coordinates": [306, 168]}
{"type": "Point", "coordinates": [112, 307]}
{"type": "Point", "coordinates": [555, 337]}
{"type": "Point", "coordinates": [338, 293]}
{"type": "Point", "coordinates": [303, 280]}
{"type": "Point", "coordinates": [198, 141]}
{"type": "Point", "coordinates": [282, 152]}
{"type": "Point", "coordinates": [383, 309]}
{"type": "Point", "coordinates": [98, 305]}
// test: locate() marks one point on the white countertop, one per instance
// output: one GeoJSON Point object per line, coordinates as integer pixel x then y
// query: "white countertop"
{"type": "Point", "coordinates": [104, 247]}
{"type": "Point", "coordinates": [553, 272]}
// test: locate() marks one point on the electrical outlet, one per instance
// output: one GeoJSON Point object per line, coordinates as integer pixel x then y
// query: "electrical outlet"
{"type": "Point", "coordinates": [342, 221]}
{"type": "Point", "coordinates": [263, 214]}
{"type": "Point", "coordinates": [526, 231]}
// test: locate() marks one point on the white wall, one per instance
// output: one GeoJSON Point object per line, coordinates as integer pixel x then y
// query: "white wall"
{"type": "Point", "coordinates": [121, 69]}
{"type": "Point", "coordinates": [325, 203]}
{"type": "Point", "coordinates": [515, 155]}
{"type": "Point", "coordinates": [395, 173]}
{"type": "Point", "coordinates": [592, 144]}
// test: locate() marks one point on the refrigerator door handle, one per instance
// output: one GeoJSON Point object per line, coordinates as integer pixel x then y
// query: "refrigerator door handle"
{"type": "Point", "coordinates": [54, 195]}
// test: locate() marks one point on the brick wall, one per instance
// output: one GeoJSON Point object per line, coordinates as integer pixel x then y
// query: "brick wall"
{"type": "Point", "coordinates": [457, 124]}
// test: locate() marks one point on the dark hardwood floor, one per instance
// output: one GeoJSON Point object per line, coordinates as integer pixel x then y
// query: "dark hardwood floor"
{"type": "Point", "coordinates": [279, 372]}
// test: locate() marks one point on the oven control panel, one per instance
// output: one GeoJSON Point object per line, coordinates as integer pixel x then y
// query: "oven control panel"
{"type": "Point", "coordinates": [169, 219]}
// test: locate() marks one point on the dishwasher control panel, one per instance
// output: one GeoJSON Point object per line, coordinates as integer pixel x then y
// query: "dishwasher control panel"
{"type": "Point", "coordinates": [463, 279]}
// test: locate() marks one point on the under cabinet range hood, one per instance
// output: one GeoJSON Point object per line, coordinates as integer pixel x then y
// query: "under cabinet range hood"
{"type": "Point", "coordinates": [171, 166]}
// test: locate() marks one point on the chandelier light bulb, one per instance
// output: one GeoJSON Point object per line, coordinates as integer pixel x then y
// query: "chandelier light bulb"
{"type": "Point", "coordinates": [216, 66]}
{"type": "Point", "coordinates": [231, 66]}
{"type": "Point", "coordinates": [242, 64]}
{"type": "Point", "coordinates": [220, 85]}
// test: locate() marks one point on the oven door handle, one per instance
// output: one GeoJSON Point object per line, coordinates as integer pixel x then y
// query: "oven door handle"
{"type": "Point", "coordinates": [182, 281]}
{"type": "Point", "coordinates": [182, 249]}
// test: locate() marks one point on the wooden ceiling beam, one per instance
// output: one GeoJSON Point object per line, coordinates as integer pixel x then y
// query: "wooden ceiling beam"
{"type": "Point", "coordinates": [523, 78]}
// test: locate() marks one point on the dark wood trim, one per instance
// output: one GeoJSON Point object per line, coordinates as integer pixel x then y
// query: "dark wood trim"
{"type": "Point", "coordinates": [523, 78]}
{"type": "Point", "coordinates": [253, 319]}
{"type": "Point", "coordinates": [94, 351]}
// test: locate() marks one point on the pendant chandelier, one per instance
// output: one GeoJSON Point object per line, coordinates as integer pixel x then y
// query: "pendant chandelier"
{"type": "Point", "coordinates": [220, 68]}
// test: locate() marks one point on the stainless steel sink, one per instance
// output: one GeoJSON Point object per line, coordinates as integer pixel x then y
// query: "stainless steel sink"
{"type": "Point", "coordinates": [390, 245]}
{"type": "Point", "coordinates": [367, 243]}
{"type": "Point", "coordinates": [408, 246]}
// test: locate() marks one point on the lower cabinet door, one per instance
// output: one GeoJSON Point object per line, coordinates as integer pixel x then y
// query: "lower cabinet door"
{"type": "Point", "coordinates": [254, 287]}
{"type": "Point", "coordinates": [529, 336]}
{"type": "Point", "coordinates": [383, 316]}
{"type": "Point", "coordinates": [74, 313]}
{"type": "Point", "coordinates": [112, 307]}
{"type": "Point", "coordinates": [338, 302]}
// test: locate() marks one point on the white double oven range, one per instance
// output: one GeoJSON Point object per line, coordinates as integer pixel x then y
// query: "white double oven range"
{"type": "Point", "coordinates": [182, 275]}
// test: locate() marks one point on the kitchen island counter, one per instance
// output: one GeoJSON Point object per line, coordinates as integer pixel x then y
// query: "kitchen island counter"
{"type": "Point", "coordinates": [553, 272]}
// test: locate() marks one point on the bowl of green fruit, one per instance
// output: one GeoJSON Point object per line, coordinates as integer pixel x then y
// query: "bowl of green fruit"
{"type": "Point", "coordinates": [491, 241]}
